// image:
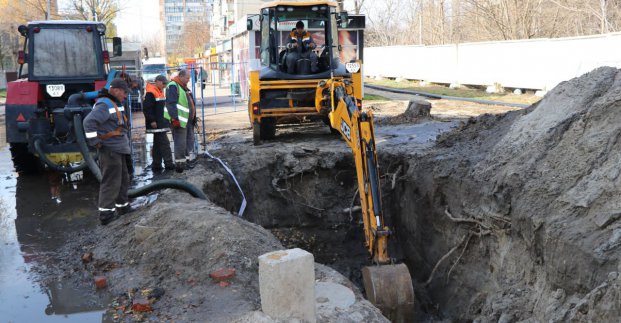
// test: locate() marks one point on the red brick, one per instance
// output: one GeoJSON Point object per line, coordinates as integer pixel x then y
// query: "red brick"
{"type": "Point", "coordinates": [141, 305]}
{"type": "Point", "coordinates": [101, 282]}
{"type": "Point", "coordinates": [222, 274]}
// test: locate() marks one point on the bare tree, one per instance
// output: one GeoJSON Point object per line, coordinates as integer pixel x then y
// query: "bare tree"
{"type": "Point", "coordinates": [153, 44]}
{"type": "Point", "coordinates": [195, 35]}
{"type": "Point", "coordinates": [96, 10]}
{"type": "Point", "coordinates": [431, 22]}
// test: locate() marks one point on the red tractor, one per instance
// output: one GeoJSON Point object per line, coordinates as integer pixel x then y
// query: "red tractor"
{"type": "Point", "coordinates": [62, 67]}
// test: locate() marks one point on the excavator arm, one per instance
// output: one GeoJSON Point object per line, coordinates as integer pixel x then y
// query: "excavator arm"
{"type": "Point", "coordinates": [388, 286]}
{"type": "Point", "coordinates": [356, 127]}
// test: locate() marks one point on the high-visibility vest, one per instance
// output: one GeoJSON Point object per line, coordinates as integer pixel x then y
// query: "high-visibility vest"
{"type": "Point", "coordinates": [157, 93]}
{"type": "Point", "coordinates": [183, 106]}
{"type": "Point", "coordinates": [121, 119]}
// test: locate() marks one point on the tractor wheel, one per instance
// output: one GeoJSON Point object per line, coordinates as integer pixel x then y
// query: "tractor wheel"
{"type": "Point", "coordinates": [268, 128]}
{"type": "Point", "coordinates": [23, 161]}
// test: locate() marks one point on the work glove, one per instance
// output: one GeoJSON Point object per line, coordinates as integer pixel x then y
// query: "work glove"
{"type": "Point", "coordinates": [154, 125]}
{"type": "Point", "coordinates": [175, 123]}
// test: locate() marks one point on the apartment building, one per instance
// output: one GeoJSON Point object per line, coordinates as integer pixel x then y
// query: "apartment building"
{"type": "Point", "coordinates": [174, 14]}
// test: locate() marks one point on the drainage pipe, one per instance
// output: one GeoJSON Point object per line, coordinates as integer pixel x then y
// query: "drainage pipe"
{"type": "Point", "coordinates": [446, 97]}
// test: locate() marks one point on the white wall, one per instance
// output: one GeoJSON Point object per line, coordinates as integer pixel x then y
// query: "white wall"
{"type": "Point", "coordinates": [529, 64]}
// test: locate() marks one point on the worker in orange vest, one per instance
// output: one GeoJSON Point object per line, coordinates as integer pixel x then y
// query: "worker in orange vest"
{"type": "Point", "coordinates": [153, 109]}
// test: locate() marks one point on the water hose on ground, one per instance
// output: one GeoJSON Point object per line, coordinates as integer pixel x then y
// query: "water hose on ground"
{"type": "Point", "coordinates": [139, 191]}
{"type": "Point", "coordinates": [167, 183]}
{"type": "Point", "coordinates": [446, 97]}
{"type": "Point", "coordinates": [40, 146]}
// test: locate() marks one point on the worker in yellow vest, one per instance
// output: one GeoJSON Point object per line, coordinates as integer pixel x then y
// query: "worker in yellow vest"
{"type": "Point", "coordinates": [181, 113]}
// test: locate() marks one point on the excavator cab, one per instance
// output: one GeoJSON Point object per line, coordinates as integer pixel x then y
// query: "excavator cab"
{"type": "Point", "coordinates": [332, 92]}
{"type": "Point", "coordinates": [279, 22]}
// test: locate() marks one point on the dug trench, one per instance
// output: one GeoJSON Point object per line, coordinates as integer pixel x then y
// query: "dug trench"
{"type": "Point", "coordinates": [507, 218]}
{"type": "Point", "coordinates": [308, 198]}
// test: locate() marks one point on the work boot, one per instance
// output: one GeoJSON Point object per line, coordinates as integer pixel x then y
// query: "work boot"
{"type": "Point", "coordinates": [192, 162]}
{"type": "Point", "coordinates": [170, 166]}
{"type": "Point", "coordinates": [180, 167]}
{"type": "Point", "coordinates": [106, 217]}
{"type": "Point", "coordinates": [156, 167]}
{"type": "Point", "coordinates": [122, 210]}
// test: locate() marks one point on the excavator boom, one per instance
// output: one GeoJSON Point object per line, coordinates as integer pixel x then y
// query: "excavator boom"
{"type": "Point", "coordinates": [388, 286]}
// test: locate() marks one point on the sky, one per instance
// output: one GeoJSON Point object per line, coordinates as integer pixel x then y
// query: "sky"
{"type": "Point", "coordinates": [138, 18]}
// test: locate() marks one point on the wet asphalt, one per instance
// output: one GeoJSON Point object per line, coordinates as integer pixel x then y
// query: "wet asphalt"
{"type": "Point", "coordinates": [38, 214]}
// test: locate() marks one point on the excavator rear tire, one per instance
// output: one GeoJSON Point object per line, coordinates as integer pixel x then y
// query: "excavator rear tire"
{"type": "Point", "coordinates": [268, 128]}
{"type": "Point", "coordinates": [256, 133]}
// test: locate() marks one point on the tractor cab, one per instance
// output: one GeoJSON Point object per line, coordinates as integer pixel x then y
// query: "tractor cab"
{"type": "Point", "coordinates": [278, 28]}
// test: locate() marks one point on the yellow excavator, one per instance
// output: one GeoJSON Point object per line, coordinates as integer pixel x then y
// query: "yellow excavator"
{"type": "Point", "coordinates": [321, 87]}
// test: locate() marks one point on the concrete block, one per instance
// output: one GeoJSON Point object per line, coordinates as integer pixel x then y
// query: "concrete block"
{"type": "Point", "coordinates": [142, 232]}
{"type": "Point", "coordinates": [287, 285]}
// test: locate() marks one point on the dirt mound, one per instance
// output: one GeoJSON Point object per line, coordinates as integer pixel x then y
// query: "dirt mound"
{"type": "Point", "coordinates": [514, 217]}
{"type": "Point", "coordinates": [173, 245]}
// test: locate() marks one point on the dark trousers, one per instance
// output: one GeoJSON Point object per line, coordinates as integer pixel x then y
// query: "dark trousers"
{"type": "Point", "coordinates": [294, 56]}
{"type": "Point", "coordinates": [115, 180]}
{"type": "Point", "coordinates": [161, 150]}
{"type": "Point", "coordinates": [184, 143]}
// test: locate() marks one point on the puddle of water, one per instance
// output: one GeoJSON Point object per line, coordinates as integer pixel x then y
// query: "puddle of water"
{"type": "Point", "coordinates": [33, 225]}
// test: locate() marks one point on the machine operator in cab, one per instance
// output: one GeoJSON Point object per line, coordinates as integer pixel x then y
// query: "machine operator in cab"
{"type": "Point", "coordinates": [300, 45]}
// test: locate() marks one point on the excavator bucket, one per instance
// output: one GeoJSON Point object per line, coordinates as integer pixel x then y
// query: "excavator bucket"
{"type": "Point", "coordinates": [389, 288]}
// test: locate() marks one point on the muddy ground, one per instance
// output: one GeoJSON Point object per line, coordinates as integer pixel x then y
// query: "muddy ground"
{"type": "Point", "coordinates": [509, 216]}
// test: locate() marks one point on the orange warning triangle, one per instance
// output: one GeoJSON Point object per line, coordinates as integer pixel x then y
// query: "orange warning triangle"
{"type": "Point", "coordinates": [20, 118]}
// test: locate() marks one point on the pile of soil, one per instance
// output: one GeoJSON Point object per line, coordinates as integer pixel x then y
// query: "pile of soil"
{"type": "Point", "coordinates": [181, 242]}
{"type": "Point", "coordinates": [515, 217]}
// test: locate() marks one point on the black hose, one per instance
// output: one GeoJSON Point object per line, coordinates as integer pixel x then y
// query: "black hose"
{"type": "Point", "coordinates": [446, 97]}
{"type": "Point", "coordinates": [139, 191]}
{"type": "Point", "coordinates": [78, 131]}
{"type": "Point", "coordinates": [39, 146]}
{"type": "Point", "coordinates": [167, 183]}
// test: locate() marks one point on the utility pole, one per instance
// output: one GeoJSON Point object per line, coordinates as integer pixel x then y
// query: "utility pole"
{"type": "Point", "coordinates": [47, 12]}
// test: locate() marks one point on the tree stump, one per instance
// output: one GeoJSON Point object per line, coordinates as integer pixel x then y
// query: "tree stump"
{"type": "Point", "coordinates": [417, 109]}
